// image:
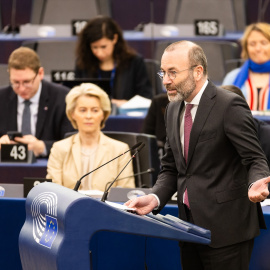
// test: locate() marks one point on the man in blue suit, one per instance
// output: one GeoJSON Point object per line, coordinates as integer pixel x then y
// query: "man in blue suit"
{"type": "Point", "coordinates": [47, 119]}
{"type": "Point", "coordinates": [220, 172]}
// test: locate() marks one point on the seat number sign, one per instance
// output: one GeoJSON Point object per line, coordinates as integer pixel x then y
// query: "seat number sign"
{"type": "Point", "coordinates": [14, 153]}
{"type": "Point", "coordinates": [207, 27]}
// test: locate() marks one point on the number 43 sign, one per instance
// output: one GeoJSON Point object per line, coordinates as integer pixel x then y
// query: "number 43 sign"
{"type": "Point", "coordinates": [14, 153]}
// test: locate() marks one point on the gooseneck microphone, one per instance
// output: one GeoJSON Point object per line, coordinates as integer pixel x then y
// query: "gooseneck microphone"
{"type": "Point", "coordinates": [150, 170]}
{"type": "Point", "coordinates": [80, 180]}
{"type": "Point", "coordinates": [105, 194]}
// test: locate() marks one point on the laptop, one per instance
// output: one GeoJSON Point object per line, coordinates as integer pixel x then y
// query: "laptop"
{"type": "Point", "coordinates": [11, 190]}
{"type": "Point", "coordinates": [30, 182]}
{"type": "Point", "coordinates": [102, 83]}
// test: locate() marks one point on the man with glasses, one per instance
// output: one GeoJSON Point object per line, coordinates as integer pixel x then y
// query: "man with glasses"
{"type": "Point", "coordinates": [212, 159]}
{"type": "Point", "coordinates": [31, 105]}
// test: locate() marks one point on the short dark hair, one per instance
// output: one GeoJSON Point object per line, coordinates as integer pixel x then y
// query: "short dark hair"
{"type": "Point", "coordinates": [233, 89]}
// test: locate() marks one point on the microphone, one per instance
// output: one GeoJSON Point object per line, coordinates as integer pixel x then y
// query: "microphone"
{"type": "Point", "coordinates": [105, 194]}
{"type": "Point", "coordinates": [79, 181]}
{"type": "Point", "coordinates": [150, 170]}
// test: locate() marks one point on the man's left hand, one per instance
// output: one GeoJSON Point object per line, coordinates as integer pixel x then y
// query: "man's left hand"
{"type": "Point", "coordinates": [259, 190]}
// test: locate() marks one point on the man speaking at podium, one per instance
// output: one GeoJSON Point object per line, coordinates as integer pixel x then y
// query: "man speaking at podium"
{"type": "Point", "coordinates": [212, 159]}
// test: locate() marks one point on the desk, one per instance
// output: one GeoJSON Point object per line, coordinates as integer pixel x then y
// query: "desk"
{"type": "Point", "coordinates": [136, 39]}
{"type": "Point", "coordinates": [15, 172]}
{"type": "Point", "coordinates": [115, 250]}
{"type": "Point", "coordinates": [265, 118]}
{"type": "Point", "coordinates": [124, 123]}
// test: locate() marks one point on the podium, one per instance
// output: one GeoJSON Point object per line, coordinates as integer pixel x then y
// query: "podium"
{"type": "Point", "coordinates": [60, 223]}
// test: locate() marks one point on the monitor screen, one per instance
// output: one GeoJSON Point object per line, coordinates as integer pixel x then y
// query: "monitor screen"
{"type": "Point", "coordinates": [102, 83]}
{"type": "Point", "coordinates": [30, 182]}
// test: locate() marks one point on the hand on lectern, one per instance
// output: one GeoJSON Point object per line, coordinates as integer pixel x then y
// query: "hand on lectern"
{"type": "Point", "coordinates": [143, 205]}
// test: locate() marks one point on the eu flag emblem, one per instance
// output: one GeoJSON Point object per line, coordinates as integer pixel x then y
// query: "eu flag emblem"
{"type": "Point", "coordinates": [50, 232]}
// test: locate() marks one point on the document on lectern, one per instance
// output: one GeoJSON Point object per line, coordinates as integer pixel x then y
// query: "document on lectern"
{"type": "Point", "coordinates": [120, 206]}
{"type": "Point", "coordinates": [181, 224]}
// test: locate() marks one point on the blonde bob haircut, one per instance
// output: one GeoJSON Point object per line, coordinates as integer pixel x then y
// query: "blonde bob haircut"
{"type": "Point", "coordinates": [261, 27]}
{"type": "Point", "coordinates": [87, 89]}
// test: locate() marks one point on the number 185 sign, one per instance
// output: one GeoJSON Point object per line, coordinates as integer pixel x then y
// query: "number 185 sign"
{"type": "Point", "coordinates": [14, 153]}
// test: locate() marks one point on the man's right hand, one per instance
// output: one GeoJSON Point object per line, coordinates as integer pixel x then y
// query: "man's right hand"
{"type": "Point", "coordinates": [143, 205]}
{"type": "Point", "coordinates": [5, 140]}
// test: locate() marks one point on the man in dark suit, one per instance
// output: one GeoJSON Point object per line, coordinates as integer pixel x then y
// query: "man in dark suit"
{"type": "Point", "coordinates": [47, 119]}
{"type": "Point", "coordinates": [218, 169]}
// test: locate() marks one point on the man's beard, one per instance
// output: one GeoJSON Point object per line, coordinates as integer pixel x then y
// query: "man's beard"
{"type": "Point", "coordinates": [184, 89]}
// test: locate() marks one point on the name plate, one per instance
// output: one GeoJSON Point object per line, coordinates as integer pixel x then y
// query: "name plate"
{"type": "Point", "coordinates": [77, 26]}
{"type": "Point", "coordinates": [14, 153]}
{"type": "Point", "coordinates": [207, 28]}
{"type": "Point", "coordinates": [62, 75]}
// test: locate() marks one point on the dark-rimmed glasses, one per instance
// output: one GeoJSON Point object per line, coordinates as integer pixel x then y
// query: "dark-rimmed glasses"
{"type": "Point", "coordinates": [172, 74]}
{"type": "Point", "coordinates": [26, 84]}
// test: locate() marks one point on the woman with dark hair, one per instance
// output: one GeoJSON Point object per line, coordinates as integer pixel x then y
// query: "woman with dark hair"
{"type": "Point", "coordinates": [102, 52]}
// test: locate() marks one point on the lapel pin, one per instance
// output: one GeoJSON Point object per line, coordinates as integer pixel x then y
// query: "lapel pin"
{"type": "Point", "coordinates": [46, 108]}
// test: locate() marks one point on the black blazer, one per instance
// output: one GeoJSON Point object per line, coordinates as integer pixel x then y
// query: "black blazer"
{"type": "Point", "coordinates": [52, 123]}
{"type": "Point", "coordinates": [224, 158]}
{"type": "Point", "coordinates": [263, 130]}
{"type": "Point", "coordinates": [154, 121]}
{"type": "Point", "coordinates": [129, 81]}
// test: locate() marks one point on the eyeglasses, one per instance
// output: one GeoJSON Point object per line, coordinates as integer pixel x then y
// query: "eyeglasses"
{"type": "Point", "coordinates": [172, 74]}
{"type": "Point", "coordinates": [26, 84]}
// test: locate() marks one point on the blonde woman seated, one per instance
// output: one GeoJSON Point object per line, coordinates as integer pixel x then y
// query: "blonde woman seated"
{"type": "Point", "coordinates": [87, 108]}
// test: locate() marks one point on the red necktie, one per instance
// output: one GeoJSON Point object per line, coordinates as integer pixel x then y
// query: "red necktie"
{"type": "Point", "coordinates": [187, 130]}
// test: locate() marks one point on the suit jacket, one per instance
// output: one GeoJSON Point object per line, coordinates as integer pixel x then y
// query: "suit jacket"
{"type": "Point", "coordinates": [263, 130]}
{"type": "Point", "coordinates": [224, 158]}
{"type": "Point", "coordinates": [154, 121]}
{"type": "Point", "coordinates": [130, 81]}
{"type": "Point", "coordinates": [64, 164]}
{"type": "Point", "coordinates": [52, 123]}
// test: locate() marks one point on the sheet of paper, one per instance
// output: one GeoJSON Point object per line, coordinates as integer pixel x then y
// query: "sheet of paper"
{"type": "Point", "coordinates": [120, 206]}
{"type": "Point", "coordinates": [265, 202]}
{"type": "Point", "coordinates": [137, 102]}
{"type": "Point", "coordinates": [92, 193]}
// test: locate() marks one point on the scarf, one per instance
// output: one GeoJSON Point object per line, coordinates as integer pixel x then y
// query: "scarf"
{"type": "Point", "coordinates": [250, 65]}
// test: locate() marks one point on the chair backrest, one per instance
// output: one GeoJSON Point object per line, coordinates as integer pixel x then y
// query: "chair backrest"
{"type": "Point", "coordinates": [4, 76]}
{"type": "Point", "coordinates": [64, 11]}
{"type": "Point", "coordinates": [146, 159]}
{"type": "Point", "coordinates": [152, 67]}
{"type": "Point", "coordinates": [230, 13]}
{"type": "Point", "coordinates": [217, 52]}
{"type": "Point", "coordinates": [54, 54]}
